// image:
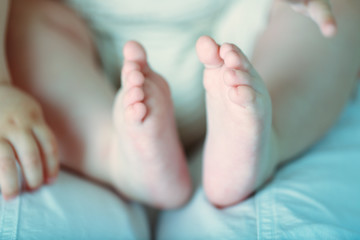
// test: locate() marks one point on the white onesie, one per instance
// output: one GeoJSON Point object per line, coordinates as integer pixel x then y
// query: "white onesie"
{"type": "Point", "coordinates": [168, 29]}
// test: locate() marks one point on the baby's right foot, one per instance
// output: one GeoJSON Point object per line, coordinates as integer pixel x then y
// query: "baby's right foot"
{"type": "Point", "coordinates": [237, 156]}
{"type": "Point", "coordinates": [148, 164]}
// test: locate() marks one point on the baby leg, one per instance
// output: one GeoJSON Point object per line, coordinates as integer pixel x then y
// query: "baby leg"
{"type": "Point", "coordinates": [152, 161]}
{"type": "Point", "coordinates": [56, 62]}
{"type": "Point", "coordinates": [247, 136]}
{"type": "Point", "coordinates": [51, 56]}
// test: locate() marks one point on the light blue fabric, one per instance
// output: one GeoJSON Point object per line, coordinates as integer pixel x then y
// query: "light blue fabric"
{"type": "Point", "coordinates": [317, 196]}
{"type": "Point", "coordinates": [71, 209]}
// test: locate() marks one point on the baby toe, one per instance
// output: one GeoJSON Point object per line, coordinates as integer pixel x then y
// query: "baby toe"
{"type": "Point", "coordinates": [227, 47]}
{"type": "Point", "coordinates": [134, 51]}
{"type": "Point", "coordinates": [129, 67]}
{"type": "Point", "coordinates": [136, 112]}
{"type": "Point", "coordinates": [134, 78]}
{"type": "Point", "coordinates": [208, 52]}
{"type": "Point", "coordinates": [236, 60]}
{"type": "Point", "coordinates": [243, 95]}
{"type": "Point", "coordinates": [133, 95]}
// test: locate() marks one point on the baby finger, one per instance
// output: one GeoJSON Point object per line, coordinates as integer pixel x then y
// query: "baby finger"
{"type": "Point", "coordinates": [8, 171]}
{"type": "Point", "coordinates": [29, 158]}
{"type": "Point", "coordinates": [48, 148]}
{"type": "Point", "coordinates": [320, 11]}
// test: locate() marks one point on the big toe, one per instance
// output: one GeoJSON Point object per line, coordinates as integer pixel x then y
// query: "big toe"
{"type": "Point", "coordinates": [134, 52]}
{"type": "Point", "coordinates": [208, 52]}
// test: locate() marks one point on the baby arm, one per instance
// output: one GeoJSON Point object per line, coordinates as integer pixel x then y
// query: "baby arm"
{"type": "Point", "coordinates": [319, 11]}
{"type": "Point", "coordinates": [24, 135]}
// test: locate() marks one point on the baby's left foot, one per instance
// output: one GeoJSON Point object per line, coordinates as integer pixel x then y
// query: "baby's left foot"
{"type": "Point", "coordinates": [148, 163]}
{"type": "Point", "coordinates": [236, 157]}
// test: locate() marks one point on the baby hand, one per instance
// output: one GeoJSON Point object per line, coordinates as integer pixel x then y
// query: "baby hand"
{"type": "Point", "coordinates": [320, 12]}
{"type": "Point", "coordinates": [24, 137]}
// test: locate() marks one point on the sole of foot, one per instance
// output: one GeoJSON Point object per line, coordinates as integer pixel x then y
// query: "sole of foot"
{"type": "Point", "coordinates": [149, 163]}
{"type": "Point", "coordinates": [237, 149]}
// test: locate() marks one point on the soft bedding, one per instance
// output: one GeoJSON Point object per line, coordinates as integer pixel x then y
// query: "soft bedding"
{"type": "Point", "coordinates": [72, 208]}
{"type": "Point", "coordinates": [317, 196]}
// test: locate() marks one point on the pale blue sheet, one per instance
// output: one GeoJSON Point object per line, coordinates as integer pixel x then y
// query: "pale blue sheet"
{"type": "Point", "coordinates": [71, 209]}
{"type": "Point", "coordinates": [315, 197]}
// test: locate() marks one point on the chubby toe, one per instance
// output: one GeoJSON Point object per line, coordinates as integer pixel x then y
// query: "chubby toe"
{"type": "Point", "coordinates": [208, 52]}
{"type": "Point", "coordinates": [134, 51]}
{"type": "Point", "coordinates": [136, 112]}
{"type": "Point", "coordinates": [133, 95]}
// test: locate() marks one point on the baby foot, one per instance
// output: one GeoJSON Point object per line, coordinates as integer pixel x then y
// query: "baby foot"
{"type": "Point", "coordinates": [236, 157]}
{"type": "Point", "coordinates": [149, 165]}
